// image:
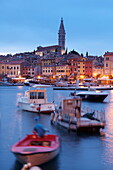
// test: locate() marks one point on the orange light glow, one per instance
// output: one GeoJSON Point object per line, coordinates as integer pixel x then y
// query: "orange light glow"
{"type": "Point", "coordinates": [82, 76]}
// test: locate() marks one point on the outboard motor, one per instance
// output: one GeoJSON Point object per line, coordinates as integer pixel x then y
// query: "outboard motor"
{"type": "Point", "coordinates": [40, 130]}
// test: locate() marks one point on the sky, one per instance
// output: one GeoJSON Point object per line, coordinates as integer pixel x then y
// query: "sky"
{"type": "Point", "coordinates": [27, 24]}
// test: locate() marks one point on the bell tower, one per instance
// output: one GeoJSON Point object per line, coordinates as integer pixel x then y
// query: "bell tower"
{"type": "Point", "coordinates": [61, 35]}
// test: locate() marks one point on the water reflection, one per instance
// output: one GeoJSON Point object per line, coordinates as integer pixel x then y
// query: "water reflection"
{"type": "Point", "coordinates": [108, 140]}
{"type": "Point", "coordinates": [51, 165]}
{"type": "Point", "coordinates": [77, 152]}
{"type": "Point", "coordinates": [17, 166]}
{"type": "Point", "coordinates": [19, 118]}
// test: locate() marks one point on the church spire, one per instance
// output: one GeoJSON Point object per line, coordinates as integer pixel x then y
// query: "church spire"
{"type": "Point", "coordinates": [61, 35]}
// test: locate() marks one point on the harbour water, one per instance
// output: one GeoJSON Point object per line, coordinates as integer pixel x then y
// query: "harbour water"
{"type": "Point", "coordinates": [83, 152]}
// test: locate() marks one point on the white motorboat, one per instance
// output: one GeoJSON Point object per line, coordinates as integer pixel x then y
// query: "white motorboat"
{"type": "Point", "coordinates": [35, 100]}
{"type": "Point", "coordinates": [91, 95]}
{"type": "Point", "coordinates": [61, 84]}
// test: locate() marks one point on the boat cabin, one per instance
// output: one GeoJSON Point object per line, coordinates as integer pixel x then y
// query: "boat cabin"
{"type": "Point", "coordinates": [36, 96]}
{"type": "Point", "coordinates": [71, 107]}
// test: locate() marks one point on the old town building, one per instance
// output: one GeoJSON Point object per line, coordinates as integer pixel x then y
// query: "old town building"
{"type": "Point", "coordinates": [58, 70]}
{"type": "Point", "coordinates": [11, 68]}
{"type": "Point", "coordinates": [108, 63]}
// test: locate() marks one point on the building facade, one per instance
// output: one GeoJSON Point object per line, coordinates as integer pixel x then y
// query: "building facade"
{"type": "Point", "coordinates": [108, 63]}
{"type": "Point", "coordinates": [12, 68]}
{"type": "Point", "coordinates": [58, 70]}
{"type": "Point", "coordinates": [49, 50]}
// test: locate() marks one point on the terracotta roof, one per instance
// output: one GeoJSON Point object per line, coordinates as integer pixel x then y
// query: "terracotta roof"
{"type": "Point", "coordinates": [12, 62]}
{"type": "Point", "coordinates": [47, 47]}
{"type": "Point", "coordinates": [2, 62]}
{"type": "Point", "coordinates": [108, 53]}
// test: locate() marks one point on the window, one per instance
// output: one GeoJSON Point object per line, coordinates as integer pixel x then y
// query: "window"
{"type": "Point", "coordinates": [2, 67]}
{"type": "Point", "coordinates": [40, 95]}
{"type": "Point", "coordinates": [107, 58]}
{"type": "Point", "coordinates": [33, 95]}
{"type": "Point", "coordinates": [106, 64]}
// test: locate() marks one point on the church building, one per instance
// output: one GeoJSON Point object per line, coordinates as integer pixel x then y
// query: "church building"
{"type": "Point", "coordinates": [54, 49]}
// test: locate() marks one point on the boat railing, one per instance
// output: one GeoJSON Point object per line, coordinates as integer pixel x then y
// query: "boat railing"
{"type": "Point", "coordinates": [22, 98]}
{"type": "Point", "coordinates": [99, 115]}
{"type": "Point", "coordinates": [71, 113]}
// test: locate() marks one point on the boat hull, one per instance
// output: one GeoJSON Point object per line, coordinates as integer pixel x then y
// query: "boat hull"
{"type": "Point", "coordinates": [37, 158]}
{"type": "Point", "coordinates": [83, 125]}
{"type": "Point", "coordinates": [35, 149]}
{"type": "Point", "coordinates": [95, 98]}
{"type": "Point", "coordinates": [42, 108]}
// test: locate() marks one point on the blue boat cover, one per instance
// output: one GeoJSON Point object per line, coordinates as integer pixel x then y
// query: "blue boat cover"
{"type": "Point", "coordinates": [40, 130]}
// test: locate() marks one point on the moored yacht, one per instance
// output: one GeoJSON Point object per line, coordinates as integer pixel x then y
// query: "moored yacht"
{"type": "Point", "coordinates": [91, 95]}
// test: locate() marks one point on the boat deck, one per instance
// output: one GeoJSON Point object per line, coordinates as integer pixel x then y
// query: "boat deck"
{"type": "Point", "coordinates": [34, 140]}
{"type": "Point", "coordinates": [84, 88]}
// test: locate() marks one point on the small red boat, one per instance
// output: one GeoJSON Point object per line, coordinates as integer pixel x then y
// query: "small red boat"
{"type": "Point", "coordinates": [35, 149]}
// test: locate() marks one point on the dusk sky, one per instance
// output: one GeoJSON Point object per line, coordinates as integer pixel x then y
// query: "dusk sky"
{"type": "Point", "coordinates": [26, 24]}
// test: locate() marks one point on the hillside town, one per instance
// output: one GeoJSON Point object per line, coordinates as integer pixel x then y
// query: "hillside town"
{"type": "Point", "coordinates": [54, 63]}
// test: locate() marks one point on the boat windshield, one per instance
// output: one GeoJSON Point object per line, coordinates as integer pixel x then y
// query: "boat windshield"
{"type": "Point", "coordinates": [36, 95]}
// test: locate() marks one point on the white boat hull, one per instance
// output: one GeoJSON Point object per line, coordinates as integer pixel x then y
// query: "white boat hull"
{"type": "Point", "coordinates": [43, 108]}
{"type": "Point", "coordinates": [37, 158]}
